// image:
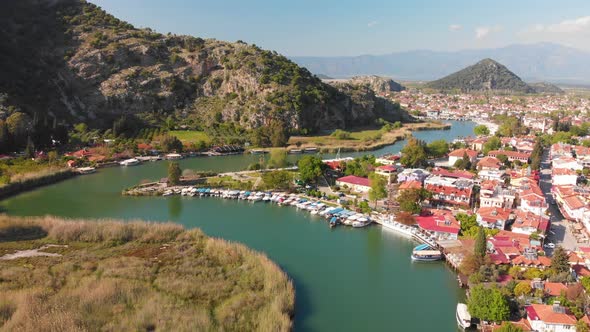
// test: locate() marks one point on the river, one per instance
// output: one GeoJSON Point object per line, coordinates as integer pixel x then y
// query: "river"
{"type": "Point", "coordinates": [345, 279]}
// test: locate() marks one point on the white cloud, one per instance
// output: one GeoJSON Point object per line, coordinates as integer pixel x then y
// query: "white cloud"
{"type": "Point", "coordinates": [484, 31]}
{"type": "Point", "coordinates": [455, 27]}
{"type": "Point", "coordinates": [574, 32]}
{"type": "Point", "coordinates": [372, 24]}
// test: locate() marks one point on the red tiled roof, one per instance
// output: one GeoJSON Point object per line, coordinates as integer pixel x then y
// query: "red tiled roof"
{"type": "Point", "coordinates": [454, 174]}
{"type": "Point", "coordinates": [410, 185]}
{"type": "Point", "coordinates": [388, 168]}
{"type": "Point", "coordinates": [545, 313]}
{"type": "Point", "coordinates": [489, 162]}
{"type": "Point", "coordinates": [509, 154]}
{"type": "Point", "coordinates": [574, 202]}
{"type": "Point", "coordinates": [554, 288]}
{"type": "Point", "coordinates": [581, 270]}
{"type": "Point", "coordinates": [442, 222]}
{"type": "Point", "coordinates": [494, 214]}
{"type": "Point", "coordinates": [540, 261]}
{"type": "Point", "coordinates": [460, 152]}
{"type": "Point", "coordinates": [356, 180]}
{"type": "Point", "coordinates": [562, 171]}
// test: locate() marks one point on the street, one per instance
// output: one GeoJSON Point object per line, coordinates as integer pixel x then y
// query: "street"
{"type": "Point", "coordinates": [560, 233]}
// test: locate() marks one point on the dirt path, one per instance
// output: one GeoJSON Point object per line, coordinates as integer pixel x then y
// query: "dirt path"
{"type": "Point", "coordinates": [32, 253]}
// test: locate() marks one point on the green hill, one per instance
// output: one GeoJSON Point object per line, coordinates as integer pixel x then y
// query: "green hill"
{"type": "Point", "coordinates": [486, 75]}
{"type": "Point", "coordinates": [545, 87]}
{"type": "Point", "coordinates": [68, 61]}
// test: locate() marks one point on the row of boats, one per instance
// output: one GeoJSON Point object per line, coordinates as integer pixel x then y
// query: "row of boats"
{"type": "Point", "coordinates": [335, 215]}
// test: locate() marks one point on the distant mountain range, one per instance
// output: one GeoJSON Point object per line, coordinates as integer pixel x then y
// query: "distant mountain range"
{"type": "Point", "coordinates": [532, 62]}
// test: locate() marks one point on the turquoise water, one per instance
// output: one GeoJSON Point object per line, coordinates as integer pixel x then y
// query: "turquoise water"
{"type": "Point", "coordinates": [346, 279]}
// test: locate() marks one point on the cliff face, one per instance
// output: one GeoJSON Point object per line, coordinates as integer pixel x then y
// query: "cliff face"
{"type": "Point", "coordinates": [380, 85]}
{"type": "Point", "coordinates": [72, 62]}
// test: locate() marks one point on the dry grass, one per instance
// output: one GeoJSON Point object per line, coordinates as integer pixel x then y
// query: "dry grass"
{"type": "Point", "coordinates": [136, 276]}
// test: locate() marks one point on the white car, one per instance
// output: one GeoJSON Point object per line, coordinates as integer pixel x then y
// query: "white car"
{"type": "Point", "coordinates": [549, 245]}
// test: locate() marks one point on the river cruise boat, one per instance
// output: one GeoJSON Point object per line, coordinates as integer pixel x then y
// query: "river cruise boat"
{"type": "Point", "coordinates": [173, 156]}
{"type": "Point", "coordinates": [295, 151]}
{"type": "Point", "coordinates": [361, 222]}
{"type": "Point", "coordinates": [463, 316]}
{"type": "Point", "coordinates": [310, 150]}
{"type": "Point", "coordinates": [258, 151]}
{"type": "Point", "coordinates": [425, 253]}
{"type": "Point", "coordinates": [130, 162]}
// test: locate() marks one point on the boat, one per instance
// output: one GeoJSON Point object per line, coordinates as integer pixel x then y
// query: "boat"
{"type": "Point", "coordinates": [463, 316]}
{"type": "Point", "coordinates": [258, 151]}
{"type": "Point", "coordinates": [333, 222]}
{"type": "Point", "coordinates": [361, 222]}
{"type": "Point", "coordinates": [425, 253]}
{"type": "Point", "coordinates": [86, 170]}
{"type": "Point", "coordinates": [130, 162]}
{"type": "Point", "coordinates": [168, 193]}
{"type": "Point", "coordinates": [310, 150]}
{"type": "Point", "coordinates": [295, 151]}
{"type": "Point", "coordinates": [173, 156]}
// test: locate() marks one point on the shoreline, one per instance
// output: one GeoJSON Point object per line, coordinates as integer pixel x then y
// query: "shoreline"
{"type": "Point", "coordinates": [15, 188]}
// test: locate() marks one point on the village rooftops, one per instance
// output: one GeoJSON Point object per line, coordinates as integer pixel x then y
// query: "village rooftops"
{"type": "Point", "coordinates": [355, 180]}
{"type": "Point", "coordinates": [460, 152]}
{"type": "Point", "coordinates": [549, 314]}
{"type": "Point", "coordinates": [452, 174]}
{"type": "Point", "coordinates": [512, 155]}
{"type": "Point", "coordinates": [440, 221]}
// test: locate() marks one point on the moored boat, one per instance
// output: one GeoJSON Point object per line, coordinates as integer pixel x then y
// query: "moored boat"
{"type": "Point", "coordinates": [463, 316]}
{"type": "Point", "coordinates": [86, 170]}
{"type": "Point", "coordinates": [425, 253]}
{"type": "Point", "coordinates": [130, 162]}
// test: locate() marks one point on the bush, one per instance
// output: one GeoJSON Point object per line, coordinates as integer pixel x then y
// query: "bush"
{"type": "Point", "coordinates": [341, 134]}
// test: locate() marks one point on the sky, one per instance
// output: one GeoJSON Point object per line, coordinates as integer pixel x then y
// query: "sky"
{"type": "Point", "coordinates": [355, 27]}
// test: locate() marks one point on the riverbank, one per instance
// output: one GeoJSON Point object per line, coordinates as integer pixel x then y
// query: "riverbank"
{"type": "Point", "coordinates": [135, 276]}
{"type": "Point", "coordinates": [35, 180]}
{"type": "Point", "coordinates": [359, 141]}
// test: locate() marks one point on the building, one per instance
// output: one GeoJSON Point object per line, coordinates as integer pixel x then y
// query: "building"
{"type": "Point", "coordinates": [567, 163]}
{"type": "Point", "coordinates": [489, 163]}
{"type": "Point", "coordinates": [355, 183]}
{"type": "Point", "coordinates": [493, 194]}
{"type": "Point", "coordinates": [493, 217]}
{"type": "Point", "coordinates": [450, 191]}
{"type": "Point", "coordinates": [528, 223]}
{"type": "Point", "coordinates": [387, 171]}
{"type": "Point", "coordinates": [412, 174]}
{"type": "Point", "coordinates": [553, 318]}
{"type": "Point", "coordinates": [441, 224]}
{"type": "Point", "coordinates": [458, 154]}
{"type": "Point", "coordinates": [391, 159]}
{"type": "Point", "coordinates": [532, 202]}
{"type": "Point", "coordinates": [512, 155]}
{"type": "Point", "coordinates": [563, 177]}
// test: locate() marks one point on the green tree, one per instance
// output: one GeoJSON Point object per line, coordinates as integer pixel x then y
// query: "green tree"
{"type": "Point", "coordinates": [4, 137]}
{"type": "Point", "coordinates": [310, 168]}
{"type": "Point", "coordinates": [30, 148]}
{"type": "Point", "coordinates": [560, 261]}
{"type": "Point", "coordinates": [463, 163]}
{"type": "Point", "coordinates": [278, 134]}
{"type": "Point", "coordinates": [469, 226]}
{"type": "Point", "coordinates": [378, 188]}
{"type": "Point", "coordinates": [19, 126]}
{"type": "Point", "coordinates": [171, 143]}
{"type": "Point", "coordinates": [174, 173]}
{"type": "Point", "coordinates": [277, 179]}
{"type": "Point", "coordinates": [413, 153]}
{"type": "Point", "coordinates": [488, 304]}
{"type": "Point", "coordinates": [480, 243]}
{"type": "Point", "coordinates": [494, 143]}
{"type": "Point", "coordinates": [582, 326]}
{"type": "Point", "coordinates": [340, 134]}
{"type": "Point", "coordinates": [509, 327]}
{"type": "Point", "coordinates": [481, 130]}
{"type": "Point", "coordinates": [410, 200]}
{"type": "Point", "coordinates": [523, 288]}
{"type": "Point", "coordinates": [437, 148]}
{"type": "Point", "coordinates": [278, 158]}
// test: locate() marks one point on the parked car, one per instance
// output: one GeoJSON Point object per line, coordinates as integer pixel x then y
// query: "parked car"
{"type": "Point", "coordinates": [549, 245]}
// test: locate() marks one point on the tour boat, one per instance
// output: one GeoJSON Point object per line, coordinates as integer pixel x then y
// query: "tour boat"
{"type": "Point", "coordinates": [426, 253]}
{"type": "Point", "coordinates": [86, 170]}
{"type": "Point", "coordinates": [295, 151]}
{"type": "Point", "coordinates": [258, 151]}
{"type": "Point", "coordinates": [310, 150]}
{"type": "Point", "coordinates": [463, 316]}
{"type": "Point", "coordinates": [129, 162]}
{"type": "Point", "coordinates": [173, 156]}
{"type": "Point", "coordinates": [361, 222]}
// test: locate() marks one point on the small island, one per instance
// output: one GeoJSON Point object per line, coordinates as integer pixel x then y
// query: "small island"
{"type": "Point", "coordinates": [66, 275]}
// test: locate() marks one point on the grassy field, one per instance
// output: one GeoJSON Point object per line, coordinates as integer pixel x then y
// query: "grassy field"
{"type": "Point", "coordinates": [115, 276]}
{"type": "Point", "coordinates": [191, 136]}
{"type": "Point", "coordinates": [360, 140]}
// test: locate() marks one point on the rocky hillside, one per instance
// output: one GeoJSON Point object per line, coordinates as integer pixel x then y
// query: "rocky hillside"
{"type": "Point", "coordinates": [68, 61]}
{"type": "Point", "coordinates": [486, 75]}
{"type": "Point", "coordinates": [380, 85]}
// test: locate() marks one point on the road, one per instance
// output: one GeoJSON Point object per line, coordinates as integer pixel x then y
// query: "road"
{"type": "Point", "coordinates": [560, 234]}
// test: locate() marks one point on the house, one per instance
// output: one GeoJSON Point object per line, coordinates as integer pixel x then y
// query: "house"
{"type": "Point", "coordinates": [355, 183]}
{"type": "Point", "coordinates": [450, 191]}
{"type": "Point", "coordinates": [440, 223]}
{"type": "Point", "coordinates": [410, 185]}
{"type": "Point", "coordinates": [387, 171]}
{"type": "Point", "coordinates": [567, 163]}
{"type": "Point", "coordinates": [532, 202]}
{"type": "Point", "coordinates": [410, 174]}
{"type": "Point", "coordinates": [489, 163]}
{"type": "Point", "coordinates": [391, 159]}
{"type": "Point", "coordinates": [493, 194]}
{"type": "Point", "coordinates": [477, 144]}
{"type": "Point", "coordinates": [458, 154]}
{"type": "Point", "coordinates": [554, 318]}
{"type": "Point", "coordinates": [528, 223]}
{"type": "Point", "coordinates": [457, 174]}
{"type": "Point", "coordinates": [512, 155]}
{"type": "Point", "coordinates": [493, 217]}
{"type": "Point", "coordinates": [563, 177]}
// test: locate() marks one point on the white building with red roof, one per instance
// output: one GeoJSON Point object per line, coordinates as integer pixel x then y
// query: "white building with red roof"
{"type": "Point", "coordinates": [563, 177]}
{"type": "Point", "coordinates": [493, 217]}
{"type": "Point", "coordinates": [355, 183]}
{"type": "Point", "coordinates": [450, 191]}
{"type": "Point", "coordinates": [512, 155]}
{"type": "Point", "coordinates": [528, 223]}
{"type": "Point", "coordinates": [550, 318]}
{"type": "Point", "coordinates": [441, 224]}
{"type": "Point", "coordinates": [458, 154]}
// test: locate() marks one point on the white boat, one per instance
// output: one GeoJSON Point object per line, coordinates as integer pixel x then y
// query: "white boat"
{"type": "Point", "coordinates": [463, 316]}
{"type": "Point", "coordinates": [168, 193]}
{"type": "Point", "coordinates": [86, 170]}
{"type": "Point", "coordinates": [173, 156]}
{"type": "Point", "coordinates": [130, 162]}
{"type": "Point", "coordinates": [361, 222]}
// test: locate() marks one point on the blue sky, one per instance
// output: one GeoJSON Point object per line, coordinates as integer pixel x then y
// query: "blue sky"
{"type": "Point", "coordinates": [349, 27]}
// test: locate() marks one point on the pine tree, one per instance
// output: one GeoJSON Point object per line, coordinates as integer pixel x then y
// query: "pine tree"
{"type": "Point", "coordinates": [174, 173]}
{"type": "Point", "coordinates": [30, 149]}
{"type": "Point", "coordinates": [480, 243]}
{"type": "Point", "coordinates": [560, 261]}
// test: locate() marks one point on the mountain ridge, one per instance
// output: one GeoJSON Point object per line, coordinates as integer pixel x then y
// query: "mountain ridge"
{"type": "Point", "coordinates": [532, 62]}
